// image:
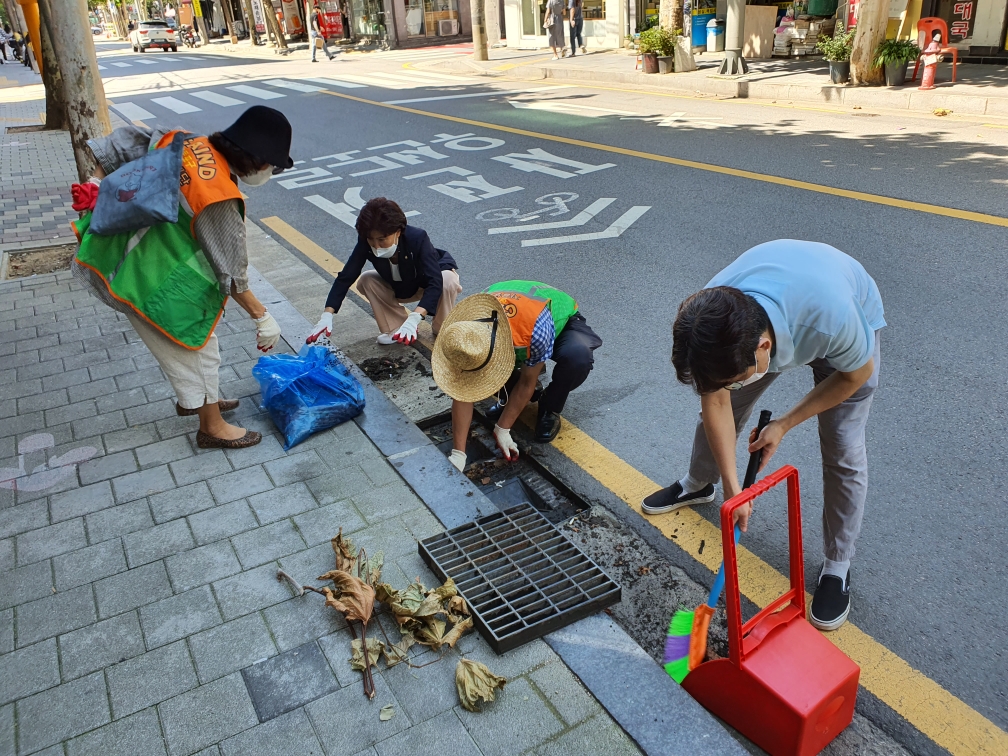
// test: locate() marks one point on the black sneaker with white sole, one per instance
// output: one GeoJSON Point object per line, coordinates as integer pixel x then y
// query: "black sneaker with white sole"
{"type": "Point", "coordinates": [830, 602]}
{"type": "Point", "coordinates": [672, 498]}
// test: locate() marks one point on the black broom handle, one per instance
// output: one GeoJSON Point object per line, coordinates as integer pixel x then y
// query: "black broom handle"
{"type": "Point", "coordinates": [754, 458]}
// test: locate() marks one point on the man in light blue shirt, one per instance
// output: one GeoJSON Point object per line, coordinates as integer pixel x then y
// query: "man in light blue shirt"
{"type": "Point", "coordinates": [781, 305]}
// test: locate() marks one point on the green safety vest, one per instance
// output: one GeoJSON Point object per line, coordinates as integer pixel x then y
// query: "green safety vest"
{"type": "Point", "coordinates": [523, 302]}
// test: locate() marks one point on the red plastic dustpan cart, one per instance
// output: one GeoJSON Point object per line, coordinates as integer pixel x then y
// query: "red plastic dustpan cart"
{"type": "Point", "coordinates": [783, 685]}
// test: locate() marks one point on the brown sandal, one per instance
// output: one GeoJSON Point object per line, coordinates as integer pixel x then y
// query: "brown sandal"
{"type": "Point", "coordinates": [206, 441]}
{"type": "Point", "coordinates": [224, 405]}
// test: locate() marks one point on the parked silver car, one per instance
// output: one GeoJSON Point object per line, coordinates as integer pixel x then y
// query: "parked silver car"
{"type": "Point", "coordinates": [153, 34]}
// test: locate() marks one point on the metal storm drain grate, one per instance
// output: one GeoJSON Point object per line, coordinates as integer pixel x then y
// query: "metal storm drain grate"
{"type": "Point", "coordinates": [520, 576]}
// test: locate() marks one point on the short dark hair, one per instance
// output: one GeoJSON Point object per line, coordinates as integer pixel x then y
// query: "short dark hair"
{"type": "Point", "coordinates": [239, 161]}
{"type": "Point", "coordinates": [714, 337]}
{"type": "Point", "coordinates": [381, 215]}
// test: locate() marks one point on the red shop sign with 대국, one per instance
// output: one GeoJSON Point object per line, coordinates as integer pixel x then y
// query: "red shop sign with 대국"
{"type": "Point", "coordinates": [961, 24]}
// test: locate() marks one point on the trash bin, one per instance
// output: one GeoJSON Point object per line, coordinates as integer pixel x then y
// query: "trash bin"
{"type": "Point", "coordinates": [715, 35]}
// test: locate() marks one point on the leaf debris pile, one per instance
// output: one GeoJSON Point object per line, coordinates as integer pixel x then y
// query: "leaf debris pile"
{"type": "Point", "coordinates": [435, 617]}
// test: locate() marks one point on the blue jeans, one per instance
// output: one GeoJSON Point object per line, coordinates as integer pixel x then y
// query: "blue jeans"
{"type": "Point", "coordinates": [575, 34]}
{"type": "Point", "coordinates": [312, 36]}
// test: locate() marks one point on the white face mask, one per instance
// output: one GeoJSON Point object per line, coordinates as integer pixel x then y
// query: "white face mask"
{"type": "Point", "coordinates": [385, 252]}
{"type": "Point", "coordinates": [752, 378]}
{"type": "Point", "coordinates": [258, 178]}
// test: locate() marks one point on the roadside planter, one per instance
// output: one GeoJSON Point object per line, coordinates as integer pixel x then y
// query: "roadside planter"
{"type": "Point", "coordinates": [893, 55]}
{"type": "Point", "coordinates": [837, 51]}
{"type": "Point", "coordinates": [657, 47]}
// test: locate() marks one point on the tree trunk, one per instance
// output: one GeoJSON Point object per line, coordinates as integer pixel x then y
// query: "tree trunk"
{"type": "Point", "coordinates": [479, 35]}
{"type": "Point", "coordinates": [670, 15]}
{"type": "Point", "coordinates": [87, 110]}
{"type": "Point", "coordinates": [229, 20]}
{"type": "Point", "coordinates": [253, 33]}
{"type": "Point", "coordinates": [274, 25]}
{"type": "Point", "coordinates": [873, 18]}
{"type": "Point", "coordinates": [56, 115]}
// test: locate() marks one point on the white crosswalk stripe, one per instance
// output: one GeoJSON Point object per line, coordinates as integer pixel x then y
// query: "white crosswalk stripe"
{"type": "Point", "coordinates": [120, 65]}
{"type": "Point", "coordinates": [145, 61]}
{"type": "Point", "coordinates": [102, 68]}
{"type": "Point", "coordinates": [428, 75]}
{"type": "Point", "coordinates": [371, 80]}
{"type": "Point", "coordinates": [176, 105]}
{"type": "Point", "coordinates": [333, 82]}
{"type": "Point", "coordinates": [132, 112]}
{"type": "Point", "coordinates": [217, 99]}
{"type": "Point", "coordinates": [188, 57]}
{"type": "Point", "coordinates": [296, 86]}
{"type": "Point", "coordinates": [262, 94]}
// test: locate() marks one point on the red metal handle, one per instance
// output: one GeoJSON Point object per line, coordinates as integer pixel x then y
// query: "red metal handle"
{"type": "Point", "coordinates": [741, 639]}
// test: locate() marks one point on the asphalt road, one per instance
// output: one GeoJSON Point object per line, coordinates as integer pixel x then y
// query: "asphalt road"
{"type": "Point", "coordinates": [930, 571]}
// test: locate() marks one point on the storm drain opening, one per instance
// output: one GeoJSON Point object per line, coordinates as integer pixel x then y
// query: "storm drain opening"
{"type": "Point", "coordinates": [521, 577]}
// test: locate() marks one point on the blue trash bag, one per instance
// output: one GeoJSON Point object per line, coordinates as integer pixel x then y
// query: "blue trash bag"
{"type": "Point", "coordinates": [307, 392]}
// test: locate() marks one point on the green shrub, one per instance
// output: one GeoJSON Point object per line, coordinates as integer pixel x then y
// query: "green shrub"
{"type": "Point", "coordinates": [896, 51]}
{"type": "Point", "coordinates": [658, 41]}
{"type": "Point", "coordinates": [838, 47]}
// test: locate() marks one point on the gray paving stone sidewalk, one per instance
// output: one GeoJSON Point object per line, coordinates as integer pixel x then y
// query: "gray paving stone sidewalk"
{"type": "Point", "coordinates": [139, 608]}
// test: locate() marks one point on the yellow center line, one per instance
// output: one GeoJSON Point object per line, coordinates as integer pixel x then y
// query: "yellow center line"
{"type": "Point", "coordinates": [938, 714]}
{"type": "Point", "coordinates": [878, 199]}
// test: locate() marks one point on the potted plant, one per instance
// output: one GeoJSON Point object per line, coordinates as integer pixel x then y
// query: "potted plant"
{"type": "Point", "coordinates": [893, 55]}
{"type": "Point", "coordinates": [657, 48]}
{"type": "Point", "coordinates": [837, 50]}
{"type": "Point", "coordinates": [649, 44]}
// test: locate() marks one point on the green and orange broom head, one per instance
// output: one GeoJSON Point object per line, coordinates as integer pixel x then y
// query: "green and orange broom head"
{"type": "Point", "coordinates": [686, 642]}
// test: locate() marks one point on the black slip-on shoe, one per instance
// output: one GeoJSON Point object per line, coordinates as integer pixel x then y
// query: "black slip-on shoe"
{"type": "Point", "coordinates": [830, 602]}
{"type": "Point", "coordinates": [672, 498]}
{"type": "Point", "coordinates": [547, 428]}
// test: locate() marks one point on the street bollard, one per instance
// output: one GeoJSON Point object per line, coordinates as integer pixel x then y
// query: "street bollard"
{"type": "Point", "coordinates": [930, 63]}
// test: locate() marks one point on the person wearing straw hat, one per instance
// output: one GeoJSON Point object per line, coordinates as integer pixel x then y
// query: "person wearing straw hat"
{"type": "Point", "coordinates": [501, 338]}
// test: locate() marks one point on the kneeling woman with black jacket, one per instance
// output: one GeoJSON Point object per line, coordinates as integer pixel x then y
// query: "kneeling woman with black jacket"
{"type": "Point", "coordinates": [407, 268]}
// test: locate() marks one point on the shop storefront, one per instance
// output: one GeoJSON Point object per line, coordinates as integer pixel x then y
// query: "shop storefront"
{"type": "Point", "coordinates": [419, 22]}
{"type": "Point", "coordinates": [976, 27]}
{"type": "Point", "coordinates": [603, 22]}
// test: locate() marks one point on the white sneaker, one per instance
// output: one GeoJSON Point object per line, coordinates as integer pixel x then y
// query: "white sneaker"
{"type": "Point", "coordinates": [385, 339]}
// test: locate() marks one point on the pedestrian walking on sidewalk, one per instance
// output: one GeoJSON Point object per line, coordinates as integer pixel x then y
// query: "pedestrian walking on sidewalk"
{"type": "Point", "coordinates": [575, 10]}
{"type": "Point", "coordinates": [782, 305]}
{"type": "Point", "coordinates": [5, 38]}
{"type": "Point", "coordinates": [316, 32]}
{"type": "Point", "coordinates": [16, 43]}
{"type": "Point", "coordinates": [172, 279]}
{"type": "Point", "coordinates": [407, 268]}
{"type": "Point", "coordinates": [553, 23]}
{"type": "Point", "coordinates": [501, 339]}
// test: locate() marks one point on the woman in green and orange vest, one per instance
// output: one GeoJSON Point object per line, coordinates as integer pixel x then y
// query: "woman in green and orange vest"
{"type": "Point", "coordinates": [502, 338]}
{"type": "Point", "coordinates": [172, 280]}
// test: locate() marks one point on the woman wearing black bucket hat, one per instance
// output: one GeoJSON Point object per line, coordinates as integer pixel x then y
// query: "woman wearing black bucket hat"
{"type": "Point", "coordinates": [178, 305]}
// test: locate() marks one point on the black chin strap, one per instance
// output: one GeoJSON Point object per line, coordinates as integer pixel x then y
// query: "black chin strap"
{"type": "Point", "coordinates": [493, 340]}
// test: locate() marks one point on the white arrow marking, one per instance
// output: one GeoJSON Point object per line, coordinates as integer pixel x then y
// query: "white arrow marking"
{"type": "Point", "coordinates": [337, 210]}
{"type": "Point", "coordinates": [569, 108]}
{"type": "Point", "coordinates": [352, 197]}
{"type": "Point", "coordinates": [620, 225]}
{"type": "Point", "coordinates": [580, 219]}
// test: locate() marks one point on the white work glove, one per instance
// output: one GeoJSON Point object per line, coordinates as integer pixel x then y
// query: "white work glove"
{"type": "Point", "coordinates": [322, 328]}
{"type": "Point", "coordinates": [267, 332]}
{"type": "Point", "coordinates": [407, 331]}
{"type": "Point", "coordinates": [458, 458]}
{"type": "Point", "coordinates": [505, 443]}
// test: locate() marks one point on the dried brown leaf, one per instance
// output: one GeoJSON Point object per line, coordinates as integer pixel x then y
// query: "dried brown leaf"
{"type": "Point", "coordinates": [386, 713]}
{"type": "Point", "coordinates": [458, 629]}
{"type": "Point", "coordinates": [353, 597]}
{"type": "Point", "coordinates": [475, 684]}
{"type": "Point", "coordinates": [346, 554]}
{"type": "Point", "coordinates": [431, 632]}
{"type": "Point", "coordinates": [457, 605]}
{"type": "Point", "coordinates": [398, 652]}
{"type": "Point", "coordinates": [374, 649]}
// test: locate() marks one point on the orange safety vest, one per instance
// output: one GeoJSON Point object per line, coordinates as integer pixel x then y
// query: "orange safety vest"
{"type": "Point", "coordinates": [205, 177]}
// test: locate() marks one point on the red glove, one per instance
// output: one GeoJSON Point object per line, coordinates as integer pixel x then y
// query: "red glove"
{"type": "Point", "coordinates": [84, 196]}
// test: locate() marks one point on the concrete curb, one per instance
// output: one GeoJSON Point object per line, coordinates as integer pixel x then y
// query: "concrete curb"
{"type": "Point", "coordinates": [906, 98]}
{"type": "Point", "coordinates": [658, 714]}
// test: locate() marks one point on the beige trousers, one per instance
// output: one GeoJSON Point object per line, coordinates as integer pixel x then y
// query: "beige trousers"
{"type": "Point", "coordinates": [192, 373]}
{"type": "Point", "coordinates": [389, 312]}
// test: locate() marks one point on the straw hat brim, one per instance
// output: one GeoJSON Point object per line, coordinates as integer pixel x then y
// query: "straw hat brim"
{"type": "Point", "coordinates": [475, 385]}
